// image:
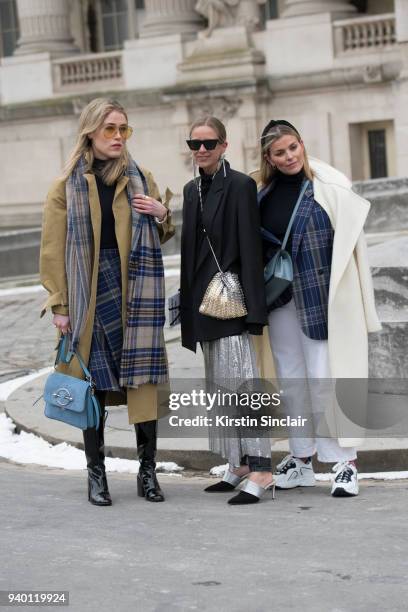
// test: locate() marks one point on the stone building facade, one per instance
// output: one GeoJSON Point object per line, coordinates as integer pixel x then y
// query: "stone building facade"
{"type": "Point", "coordinates": [337, 69]}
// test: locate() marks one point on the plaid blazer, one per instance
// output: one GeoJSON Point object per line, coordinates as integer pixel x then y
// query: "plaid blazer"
{"type": "Point", "coordinates": [312, 246]}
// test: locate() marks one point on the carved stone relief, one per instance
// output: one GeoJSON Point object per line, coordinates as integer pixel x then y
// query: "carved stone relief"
{"type": "Point", "coordinates": [228, 13]}
{"type": "Point", "coordinates": [223, 107]}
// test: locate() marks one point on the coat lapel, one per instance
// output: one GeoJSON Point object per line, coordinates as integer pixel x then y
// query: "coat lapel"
{"type": "Point", "coordinates": [301, 220]}
{"type": "Point", "coordinates": [123, 229]}
{"type": "Point", "coordinates": [347, 212]}
{"type": "Point", "coordinates": [95, 209]}
{"type": "Point", "coordinates": [266, 234]}
{"type": "Point", "coordinates": [189, 235]}
{"type": "Point", "coordinates": [214, 197]}
{"type": "Point", "coordinates": [212, 211]}
{"type": "Point", "coordinates": [123, 216]}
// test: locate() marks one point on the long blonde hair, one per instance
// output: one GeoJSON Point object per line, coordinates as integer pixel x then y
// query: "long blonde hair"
{"type": "Point", "coordinates": [276, 132]}
{"type": "Point", "coordinates": [91, 119]}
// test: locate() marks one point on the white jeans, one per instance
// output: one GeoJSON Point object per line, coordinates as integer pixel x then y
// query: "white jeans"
{"type": "Point", "coordinates": [297, 356]}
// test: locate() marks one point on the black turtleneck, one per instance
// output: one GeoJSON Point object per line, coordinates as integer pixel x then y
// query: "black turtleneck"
{"type": "Point", "coordinates": [106, 194]}
{"type": "Point", "coordinates": [206, 181]}
{"type": "Point", "coordinates": [277, 206]}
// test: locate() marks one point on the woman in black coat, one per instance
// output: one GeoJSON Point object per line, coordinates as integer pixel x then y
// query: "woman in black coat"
{"type": "Point", "coordinates": [223, 202]}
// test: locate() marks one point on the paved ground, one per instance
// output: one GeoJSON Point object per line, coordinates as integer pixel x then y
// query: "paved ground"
{"type": "Point", "coordinates": [26, 341]}
{"type": "Point", "coordinates": [303, 552]}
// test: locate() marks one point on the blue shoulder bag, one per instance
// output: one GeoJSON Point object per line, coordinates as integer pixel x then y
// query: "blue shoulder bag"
{"type": "Point", "coordinates": [278, 272]}
{"type": "Point", "coordinates": [69, 399]}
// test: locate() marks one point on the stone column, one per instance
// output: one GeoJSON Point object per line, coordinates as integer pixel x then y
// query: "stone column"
{"type": "Point", "coordinates": [249, 13]}
{"type": "Point", "coordinates": [164, 17]}
{"type": "Point", "coordinates": [44, 27]}
{"type": "Point", "coordinates": [401, 28]}
{"type": "Point", "coordinates": [401, 89]}
{"type": "Point", "coordinates": [401, 20]}
{"type": "Point", "coordinates": [340, 8]}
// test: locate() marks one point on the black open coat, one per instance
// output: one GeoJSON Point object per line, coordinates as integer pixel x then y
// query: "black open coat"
{"type": "Point", "coordinates": [231, 218]}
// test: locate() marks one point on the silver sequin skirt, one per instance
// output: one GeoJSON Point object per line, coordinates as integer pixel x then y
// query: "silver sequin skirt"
{"type": "Point", "coordinates": [228, 363]}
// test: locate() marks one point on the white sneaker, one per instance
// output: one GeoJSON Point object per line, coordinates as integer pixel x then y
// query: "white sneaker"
{"type": "Point", "coordinates": [292, 472]}
{"type": "Point", "coordinates": [345, 483]}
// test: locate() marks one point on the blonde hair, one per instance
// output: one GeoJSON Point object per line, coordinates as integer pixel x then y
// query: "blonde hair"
{"type": "Point", "coordinates": [214, 123]}
{"type": "Point", "coordinates": [91, 119]}
{"type": "Point", "coordinates": [276, 132]}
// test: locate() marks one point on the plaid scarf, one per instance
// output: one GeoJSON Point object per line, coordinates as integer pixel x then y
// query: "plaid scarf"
{"type": "Point", "coordinates": [144, 357]}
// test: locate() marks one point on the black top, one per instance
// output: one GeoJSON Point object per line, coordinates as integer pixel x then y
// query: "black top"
{"type": "Point", "coordinates": [231, 218]}
{"type": "Point", "coordinates": [277, 206]}
{"type": "Point", "coordinates": [206, 181]}
{"type": "Point", "coordinates": [106, 194]}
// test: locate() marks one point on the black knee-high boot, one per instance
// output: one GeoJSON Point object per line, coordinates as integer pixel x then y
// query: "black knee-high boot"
{"type": "Point", "coordinates": [147, 483]}
{"type": "Point", "coordinates": [94, 445]}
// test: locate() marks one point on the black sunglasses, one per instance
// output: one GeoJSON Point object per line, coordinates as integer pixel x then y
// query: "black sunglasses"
{"type": "Point", "coordinates": [209, 145]}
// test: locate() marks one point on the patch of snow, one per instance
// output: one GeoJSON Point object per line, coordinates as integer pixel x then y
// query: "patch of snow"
{"type": "Point", "coordinates": [9, 386]}
{"type": "Point", "coordinates": [27, 448]}
{"type": "Point", "coordinates": [219, 470]}
{"type": "Point", "coordinates": [21, 290]}
{"type": "Point", "coordinates": [171, 272]}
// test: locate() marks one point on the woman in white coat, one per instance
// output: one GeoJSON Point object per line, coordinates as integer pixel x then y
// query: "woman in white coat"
{"type": "Point", "coordinates": [329, 302]}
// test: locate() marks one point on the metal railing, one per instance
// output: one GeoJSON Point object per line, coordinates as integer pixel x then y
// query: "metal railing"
{"type": "Point", "coordinates": [364, 33]}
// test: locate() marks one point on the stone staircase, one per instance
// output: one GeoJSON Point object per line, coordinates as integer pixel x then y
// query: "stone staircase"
{"type": "Point", "coordinates": [389, 348]}
{"type": "Point", "coordinates": [19, 251]}
{"type": "Point", "coordinates": [388, 216]}
{"type": "Point", "coordinates": [387, 233]}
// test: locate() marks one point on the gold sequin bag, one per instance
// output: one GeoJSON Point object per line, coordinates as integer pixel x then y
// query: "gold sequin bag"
{"type": "Point", "coordinates": [223, 298]}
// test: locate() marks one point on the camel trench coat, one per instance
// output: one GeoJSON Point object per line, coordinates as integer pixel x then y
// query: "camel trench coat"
{"type": "Point", "coordinates": [142, 402]}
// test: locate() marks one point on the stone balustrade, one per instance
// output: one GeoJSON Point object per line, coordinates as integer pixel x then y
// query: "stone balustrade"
{"type": "Point", "coordinates": [363, 34]}
{"type": "Point", "coordinates": [80, 72]}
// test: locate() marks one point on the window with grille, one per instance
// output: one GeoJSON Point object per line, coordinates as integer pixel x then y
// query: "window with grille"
{"type": "Point", "coordinates": [9, 31]}
{"type": "Point", "coordinates": [114, 14]}
{"type": "Point", "coordinates": [377, 150]}
{"type": "Point", "coordinates": [372, 150]}
{"type": "Point", "coordinates": [269, 10]}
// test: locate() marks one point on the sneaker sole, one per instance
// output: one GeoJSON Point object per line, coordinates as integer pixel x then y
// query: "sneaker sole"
{"type": "Point", "coordinates": [304, 486]}
{"type": "Point", "coordinates": [342, 493]}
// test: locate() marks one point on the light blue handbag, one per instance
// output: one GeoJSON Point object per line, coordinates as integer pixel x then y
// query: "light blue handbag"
{"type": "Point", "coordinates": [69, 399]}
{"type": "Point", "coordinates": [278, 272]}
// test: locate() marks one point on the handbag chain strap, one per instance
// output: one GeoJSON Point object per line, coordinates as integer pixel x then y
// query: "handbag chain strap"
{"type": "Point", "coordinates": [204, 230]}
{"type": "Point", "coordinates": [301, 194]}
{"type": "Point", "coordinates": [288, 229]}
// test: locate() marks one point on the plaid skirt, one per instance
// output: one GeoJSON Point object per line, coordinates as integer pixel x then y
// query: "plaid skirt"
{"type": "Point", "coordinates": [107, 334]}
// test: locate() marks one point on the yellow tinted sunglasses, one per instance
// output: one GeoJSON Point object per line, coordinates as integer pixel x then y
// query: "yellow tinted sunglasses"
{"type": "Point", "coordinates": [125, 131]}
